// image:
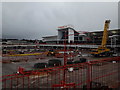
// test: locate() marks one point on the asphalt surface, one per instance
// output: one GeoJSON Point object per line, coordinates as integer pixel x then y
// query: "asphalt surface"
{"type": "Point", "coordinates": [47, 80]}
{"type": "Point", "coordinates": [78, 77]}
{"type": "Point", "coordinates": [12, 67]}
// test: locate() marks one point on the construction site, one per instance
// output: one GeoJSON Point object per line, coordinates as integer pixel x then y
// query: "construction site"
{"type": "Point", "coordinates": [70, 60]}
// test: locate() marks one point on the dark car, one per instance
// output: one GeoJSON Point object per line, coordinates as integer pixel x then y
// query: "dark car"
{"type": "Point", "coordinates": [82, 60]}
{"type": "Point", "coordinates": [40, 65]}
{"type": "Point", "coordinates": [54, 62]}
{"type": "Point", "coordinates": [70, 62]}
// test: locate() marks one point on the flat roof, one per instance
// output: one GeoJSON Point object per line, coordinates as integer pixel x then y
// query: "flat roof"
{"type": "Point", "coordinates": [49, 36]}
{"type": "Point", "coordinates": [103, 30]}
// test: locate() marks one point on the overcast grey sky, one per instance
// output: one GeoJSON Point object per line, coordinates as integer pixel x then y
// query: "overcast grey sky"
{"type": "Point", "coordinates": [30, 20]}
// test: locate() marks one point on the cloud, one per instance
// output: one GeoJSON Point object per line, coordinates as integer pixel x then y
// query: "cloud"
{"type": "Point", "coordinates": [34, 20]}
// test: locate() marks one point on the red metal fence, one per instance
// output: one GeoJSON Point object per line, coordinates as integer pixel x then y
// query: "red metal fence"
{"type": "Point", "coordinates": [102, 74]}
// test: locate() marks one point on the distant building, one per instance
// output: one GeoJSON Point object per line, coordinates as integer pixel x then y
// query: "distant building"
{"type": "Point", "coordinates": [50, 39]}
{"type": "Point", "coordinates": [15, 41]}
{"type": "Point", "coordinates": [69, 35]}
{"type": "Point", "coordinates": [10, 41]}
{"type": "Point", "coordinates": [113, 36]}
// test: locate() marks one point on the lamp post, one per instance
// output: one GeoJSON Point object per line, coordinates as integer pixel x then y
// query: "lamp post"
{"type": "Point", "coordinates": [94, 35]}
{"type": "Point", "coordinates": [115, 38]}
{"type": "Point", "coordinates": [111, 37]}
{"type": "Point", "coordinates": [115, 43]}
{"type": "Point", "coordinates": [93, 40]}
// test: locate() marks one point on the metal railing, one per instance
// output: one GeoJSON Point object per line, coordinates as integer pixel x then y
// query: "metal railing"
{"type": "Point", "coordinates": [99, 74]}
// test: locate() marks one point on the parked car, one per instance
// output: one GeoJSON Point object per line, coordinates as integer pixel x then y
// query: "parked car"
{"type": "Point", "coordinates": [40, 65]}
{"type": "Point", "coordinates": [82, 60]}
{"type": "Point", "coordinates": [54, 62]}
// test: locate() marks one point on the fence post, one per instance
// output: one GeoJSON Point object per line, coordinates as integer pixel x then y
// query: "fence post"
{"type": "Point", "coordinates": [89, 75]}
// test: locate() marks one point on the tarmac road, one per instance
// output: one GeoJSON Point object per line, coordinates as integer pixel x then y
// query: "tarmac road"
{"type": "Point", "coordinates": [78, 77]}
{"type": "Point", "coordinates": [10, 68]}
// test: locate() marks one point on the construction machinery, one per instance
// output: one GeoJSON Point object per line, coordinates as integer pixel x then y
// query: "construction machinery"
{"type": "Point", "coordinates": [102, 50]}
{"type": "Point", "coordinates": [51, 52]}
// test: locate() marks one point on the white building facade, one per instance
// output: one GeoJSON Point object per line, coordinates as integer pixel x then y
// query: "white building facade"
{"type": "Point", "coordinates": [68, 34]}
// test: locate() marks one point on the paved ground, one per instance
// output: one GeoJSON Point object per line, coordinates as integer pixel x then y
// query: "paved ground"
{"type": "Point", "coordinates": [10, 68]}
{"type": "Point", "coordinates": [78, 77]}
{"type": "Point", "coordinates": [47, 80]}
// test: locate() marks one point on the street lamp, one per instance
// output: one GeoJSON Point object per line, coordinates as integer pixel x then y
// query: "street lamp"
{"type": "Point", "coordinates": [93, 36]}
{"type": "Point", "coordinates": [111, 40]}
{"type": "Point", "coordinates": [113, 37]}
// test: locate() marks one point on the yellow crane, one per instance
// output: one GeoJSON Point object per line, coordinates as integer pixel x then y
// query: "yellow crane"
{"type": "Point", "coordinates": [102, 50]}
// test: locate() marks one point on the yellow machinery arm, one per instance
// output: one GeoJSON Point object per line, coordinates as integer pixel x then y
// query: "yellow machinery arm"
{"type": "Point", "coordinates": [102, 50]}
{"type": "Point", "coordinates": [105, 33]}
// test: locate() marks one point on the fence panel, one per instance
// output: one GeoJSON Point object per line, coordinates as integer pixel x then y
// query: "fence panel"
{"type": "Point", "coordinates": [93, 74]}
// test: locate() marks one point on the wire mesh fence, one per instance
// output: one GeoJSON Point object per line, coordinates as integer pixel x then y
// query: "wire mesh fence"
{"type": "Point", "coordinates": [99, 74]}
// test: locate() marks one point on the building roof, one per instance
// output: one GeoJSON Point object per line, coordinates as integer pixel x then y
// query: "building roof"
{"type": "Point", "coordinates": [49, 36]}
{"type": "Point", "coordinates": [103, 30]}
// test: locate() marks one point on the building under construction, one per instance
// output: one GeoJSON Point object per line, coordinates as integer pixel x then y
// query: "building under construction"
{"type": "Point", "coordinates": [72, 59]}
